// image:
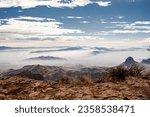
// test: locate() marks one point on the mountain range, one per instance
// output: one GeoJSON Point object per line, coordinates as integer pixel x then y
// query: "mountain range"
{"type": "Point", "coordinates": [130, 62]}
{"type": "Point", "coordinates": [41, 72]}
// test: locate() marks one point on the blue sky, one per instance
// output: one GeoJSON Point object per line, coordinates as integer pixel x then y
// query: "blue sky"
{"type": "Point", "coordinates": [110, 23]}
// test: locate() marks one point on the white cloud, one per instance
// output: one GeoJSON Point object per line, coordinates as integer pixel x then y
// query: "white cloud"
{"type": "Point", "coordinates": [121, 31]}
{"type": "Point", "coordinates": [137, 27]}
{"type": "Point", "coordinates": [1, 22]}
{"type": "Point", "coordinates": [103, 21]}
{"type": "Point", "coordinates": [33, 27]}
{"type": "Point", "coordinates": [84, 22]}
{"type": "Point", "coordinates": [33, 18]}
{"type": "Point", "coordinates": [86, 41]}
{"type": "Point", "coordinates": [120, 17]}
{"type": "Point", "coordinates": [100, 33]}
{"type": "Point", "coordinates": [131, 0]}
{"type": "Point", "coordinates": [130, 31]}
{"type": "Point", "coordinates": [20, 11]}
{"type": "Point", "coordinates": [141, 22]}
{"type": "Point", "coordinates": [49, 3]}
{"type": "Point", "coordinates": [131, 28]}
{"type": "Point", "coordinates": [118, 22]}
{"type": "Point", "coordinates": [74, 17]}
{"type": "Point", "coordinates": [104, 4]}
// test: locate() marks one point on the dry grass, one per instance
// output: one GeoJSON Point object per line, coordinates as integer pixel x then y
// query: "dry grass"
{"type": "Point", "coordinates": [85, 79]}
{"type": "Point", "coordinates": [118, 74]}
{"type": "Point", "coordinates": [135, 71]}
{"type": "Point", "coordinates": [65, 80]}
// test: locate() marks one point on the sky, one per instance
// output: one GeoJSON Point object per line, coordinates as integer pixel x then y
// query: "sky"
{"type": "Point", "coordinates": [87, 32]}
{"type": "Point", "coordinates": [110, 23]}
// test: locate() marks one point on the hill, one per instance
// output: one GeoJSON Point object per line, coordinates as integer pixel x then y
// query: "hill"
{"type": "Point", "coordinates": [60, 82]}
{"type": "Point", "coordinates": [129, 62]}
{"type": "Point", "coordinates": [146, 61]}
{"type": "Point", "coordinates": [40, 72]}
{"type": "Point", "coordinates": [25, 88]}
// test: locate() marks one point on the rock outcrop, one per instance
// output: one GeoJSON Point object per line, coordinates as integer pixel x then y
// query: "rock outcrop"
{"type": "Point", "coordinates": [129, 62]}
{"type": "Point", "coordinates": [146, 61]}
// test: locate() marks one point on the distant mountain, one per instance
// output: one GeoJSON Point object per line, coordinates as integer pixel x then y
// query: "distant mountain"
{"type": "Point", "coordinates": [146, 61]}
{"type": "Point", "coordinates": [129, 62]}
{"type": "Point", "coordinates": [40, 72]}
{"type": "Point", "coordinates": [37, 72]}
{"type": "Point", "coordinates": [46, 58]}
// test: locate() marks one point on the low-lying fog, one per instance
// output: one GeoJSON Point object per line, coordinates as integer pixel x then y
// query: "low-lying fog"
{"type": "Point", "coordinates": [68, 56]}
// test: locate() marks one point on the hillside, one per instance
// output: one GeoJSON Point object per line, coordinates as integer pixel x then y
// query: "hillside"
{"type": "Point", "coordinates": [130, 80]}
{"type": "Point", "coordinates": [41, 72]}
{"type": "Point", "coordinates": [25, 88]}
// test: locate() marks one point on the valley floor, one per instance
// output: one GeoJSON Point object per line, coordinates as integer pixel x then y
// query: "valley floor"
{"type": "Point", "coordinates": [24, 88]}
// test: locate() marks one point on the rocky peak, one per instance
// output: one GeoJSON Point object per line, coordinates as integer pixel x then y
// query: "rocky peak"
{"type": "Point", "coordinates": [129, 61]}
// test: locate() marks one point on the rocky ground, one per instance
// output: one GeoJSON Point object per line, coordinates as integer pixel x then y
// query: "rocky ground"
{"type": "Point", "coordinates": [25, 88]}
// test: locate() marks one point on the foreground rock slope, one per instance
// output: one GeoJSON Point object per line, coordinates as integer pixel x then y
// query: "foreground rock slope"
{"type": "Point", "coordinates": [25, 88]}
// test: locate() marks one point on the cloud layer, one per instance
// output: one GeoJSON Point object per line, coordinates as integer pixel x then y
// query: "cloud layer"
{"type": "Point", "coordinates": [142, 27]}
{"type": "Point", "coordinates": [32, 27]}
{"type": "Point", "coordinates": [50, 3]}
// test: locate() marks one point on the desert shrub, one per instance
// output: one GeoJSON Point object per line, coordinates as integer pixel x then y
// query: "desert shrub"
{"type": "Point", "coordinates": [104, 78]}
{"type": "Point", "coordinates": [119, 73]}
{"type": "Point", "coordinates": [85, 79]}
{"type": "Point", "coordinates": [65, 80]}
{"type": "Point", "coordinates": [135, 71]}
